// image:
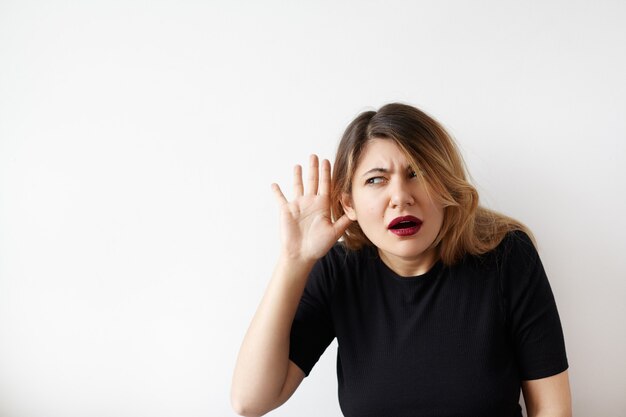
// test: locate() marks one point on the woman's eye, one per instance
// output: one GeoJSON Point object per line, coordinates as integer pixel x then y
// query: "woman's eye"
{"type": "Point", "coordinates": [375, 180]}
{"type": "Point", "coordinates": [413, 174]}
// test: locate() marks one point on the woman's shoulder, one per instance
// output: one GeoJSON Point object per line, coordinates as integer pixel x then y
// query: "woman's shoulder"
{"type": "Point", "coordinates": [514, 244]}
{"type": "Point", "coordinates": [342, 257]}
{"type": "Point", "coordinates": [344, 262]}
{"type": "Point", "coordinates": [516, 254]}
{"type": "Point", "coordinates": [517, 243]}
{"type": "Point", "coordinates": [339, 263]}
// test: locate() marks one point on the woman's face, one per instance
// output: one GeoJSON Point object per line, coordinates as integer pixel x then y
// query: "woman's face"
{"type": "Point", "coordinates": [393, 208]}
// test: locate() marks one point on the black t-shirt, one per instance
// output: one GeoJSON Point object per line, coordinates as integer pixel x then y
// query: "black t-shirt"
{"type": "Point", "coordinates": [455, 341]}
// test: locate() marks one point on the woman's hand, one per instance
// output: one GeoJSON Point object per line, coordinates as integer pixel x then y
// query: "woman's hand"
{"type": "Point", "coordinates": [307, 230]}
{"type": "Point", "coordinates": [264, 377]}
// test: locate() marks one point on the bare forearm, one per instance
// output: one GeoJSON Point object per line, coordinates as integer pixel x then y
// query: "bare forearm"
{"type": "Point", "coordinates": [548, 397]}
{"type": "Point", "coordinates": [264, 377]}
{"type": "Point", "coordinates": [551, 413]}
{"type": "Point", "coordinates": [263, 359]}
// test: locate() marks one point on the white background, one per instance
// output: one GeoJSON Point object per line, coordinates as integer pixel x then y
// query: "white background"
{"type": "Point", "coordinates": [138, 142]}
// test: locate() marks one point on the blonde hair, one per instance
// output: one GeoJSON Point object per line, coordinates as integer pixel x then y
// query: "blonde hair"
{"type": "Point", "coordinates": [468, 228]}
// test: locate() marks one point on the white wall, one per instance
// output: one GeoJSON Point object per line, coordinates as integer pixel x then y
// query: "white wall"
{"type": "Point", "coordinates": [138, 142]}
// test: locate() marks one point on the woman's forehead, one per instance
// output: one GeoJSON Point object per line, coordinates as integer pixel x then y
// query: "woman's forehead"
{"type": "Point", "coordinates": [382, 154]}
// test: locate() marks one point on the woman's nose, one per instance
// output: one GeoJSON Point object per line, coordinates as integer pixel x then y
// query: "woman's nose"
{"type": "Point", "coordinates": [400, 195]}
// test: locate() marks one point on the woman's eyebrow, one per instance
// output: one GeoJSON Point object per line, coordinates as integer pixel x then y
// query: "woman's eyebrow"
{"type": "Point", "coordinates": [382, 170]}
{"type": "Point", "coordinates": [375, 170]}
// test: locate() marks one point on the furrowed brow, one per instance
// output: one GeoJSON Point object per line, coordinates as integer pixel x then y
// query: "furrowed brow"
{"type": "Point", "coordinates": [376, 170]}
{"type": "Point", "coordinates": [383, 170]}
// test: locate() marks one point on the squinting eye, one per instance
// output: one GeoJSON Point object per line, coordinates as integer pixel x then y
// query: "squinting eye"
{"type": "Point", "coordinates": [374, 180]}
{"type": "Point", "coordinates": [413, 174]}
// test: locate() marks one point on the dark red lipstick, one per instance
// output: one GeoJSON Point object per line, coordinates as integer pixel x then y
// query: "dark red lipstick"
{"type": "Point", "coordinates": [405, 225]}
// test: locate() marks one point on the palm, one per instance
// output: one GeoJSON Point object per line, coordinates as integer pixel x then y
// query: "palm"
{"type": "Point", "coordinates": [307, 230]}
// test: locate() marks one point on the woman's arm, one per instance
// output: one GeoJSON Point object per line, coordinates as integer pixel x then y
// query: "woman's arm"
{"type": "Point", "coordinates": [548, 397]}
{"type": "Point", "coordinates": [264, 377]}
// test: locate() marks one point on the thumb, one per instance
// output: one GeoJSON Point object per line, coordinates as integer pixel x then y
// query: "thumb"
{"type": "Point", "coordinates": [341, 224]}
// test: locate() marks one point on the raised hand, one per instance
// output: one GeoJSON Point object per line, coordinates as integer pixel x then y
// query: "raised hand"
{"type": "Point", "coordinates": [307, 230]}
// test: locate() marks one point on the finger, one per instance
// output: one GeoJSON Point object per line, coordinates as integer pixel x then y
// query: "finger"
{"type": "Point", "coordinates": [325, 178]}
{"type": "Point", "coordinates": [341, 225]}
{"type": "Point", "coordinates": [298, 188]}
{"type": "Point", "coordinates": [313, 175]}
{"type": "Point", "coordinates": [280, 197]}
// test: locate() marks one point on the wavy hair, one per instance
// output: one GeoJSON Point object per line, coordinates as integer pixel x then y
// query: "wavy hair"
{"type": "Point", "coordinates": [468, 228]}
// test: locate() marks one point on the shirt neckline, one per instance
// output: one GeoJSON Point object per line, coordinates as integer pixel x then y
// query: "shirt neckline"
{"type": "Point", "coordinates": [390, 273]}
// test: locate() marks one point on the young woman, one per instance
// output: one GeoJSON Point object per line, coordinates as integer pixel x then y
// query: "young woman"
{"type": "Point", "coordinates": [440, 307]}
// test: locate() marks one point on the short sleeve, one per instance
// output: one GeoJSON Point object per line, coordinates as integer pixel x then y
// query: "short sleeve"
{"type": "Point", "coordinates": [312, 329]}
{"type": "Point", "coordinates": [532, 316]}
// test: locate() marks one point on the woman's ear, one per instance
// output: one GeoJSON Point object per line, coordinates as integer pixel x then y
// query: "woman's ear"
{"type": "Point", "coordinates": [346, 203]}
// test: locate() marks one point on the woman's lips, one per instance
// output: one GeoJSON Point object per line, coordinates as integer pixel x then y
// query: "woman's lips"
{"type": "Point", "coordinates": [405, 225]}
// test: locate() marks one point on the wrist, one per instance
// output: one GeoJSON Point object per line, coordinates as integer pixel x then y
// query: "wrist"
{"type": "Point", "coordinates": [295, 263]}
{"type": "Point", "coordinates": [296, 254]}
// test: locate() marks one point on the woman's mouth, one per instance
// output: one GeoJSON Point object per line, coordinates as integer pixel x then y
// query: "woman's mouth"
{"type": "Point", "coordinates": [405, 225]}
